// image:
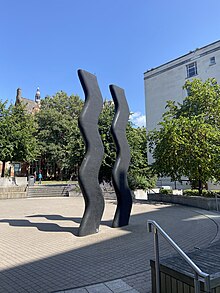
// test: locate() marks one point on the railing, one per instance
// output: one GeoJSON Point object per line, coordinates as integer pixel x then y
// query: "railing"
{"type": "Point", "coordinates": [196, 270]}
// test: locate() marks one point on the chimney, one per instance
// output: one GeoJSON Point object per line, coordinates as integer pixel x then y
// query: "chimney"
{"type": "Point", "coordinates": [18, 97]}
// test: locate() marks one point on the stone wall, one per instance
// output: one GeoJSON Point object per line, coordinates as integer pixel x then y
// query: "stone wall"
{"type": "Point", "coordinates": [194, 201]}
{"type": "Point", "coordinates": [13, 192]}
{"type": "Point", "coordinates": [13, 181]}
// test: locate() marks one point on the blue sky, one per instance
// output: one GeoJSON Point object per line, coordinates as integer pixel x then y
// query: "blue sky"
{"type": "Point", "coordinates": [44, 42]}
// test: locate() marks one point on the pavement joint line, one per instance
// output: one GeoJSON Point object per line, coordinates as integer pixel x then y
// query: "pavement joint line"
{"type": "Point", "coordinates": [212, 216]}
{"type": "Point", "coordinates": [51, 260]}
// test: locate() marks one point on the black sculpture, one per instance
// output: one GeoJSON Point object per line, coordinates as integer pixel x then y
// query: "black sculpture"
{"type": "Point", "coordinates": [119, 173]}
{"type": "Point", "coordinates": [89, 169]}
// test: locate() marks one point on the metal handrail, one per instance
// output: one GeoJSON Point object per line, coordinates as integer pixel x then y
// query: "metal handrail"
{"type": "Point", "coordinates": [195, 268]}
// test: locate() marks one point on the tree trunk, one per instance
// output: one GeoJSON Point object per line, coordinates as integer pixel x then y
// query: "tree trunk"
{"type": "Point", "coordinates": [200, 187]}
{"type": "Point", "coordinates": [61, 174]}
{"type": "Point", "coordinates": [3, 169]}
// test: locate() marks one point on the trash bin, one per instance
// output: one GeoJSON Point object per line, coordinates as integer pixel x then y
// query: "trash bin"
{"type": "Point", "coordinates": [31, 180]}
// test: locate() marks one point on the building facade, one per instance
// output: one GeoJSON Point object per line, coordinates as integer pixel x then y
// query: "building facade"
{"type": "Point", "coordinates": [31, 106]}
{"type": "Point", "coordinates": [166, 81]}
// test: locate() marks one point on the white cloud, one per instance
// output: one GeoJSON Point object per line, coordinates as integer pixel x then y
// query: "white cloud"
{"type": "Point", "coordinates": [138, 119]}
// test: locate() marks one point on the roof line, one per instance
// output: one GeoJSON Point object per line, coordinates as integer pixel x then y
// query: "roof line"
{"type": "Point", "coordinates": [181, 57]}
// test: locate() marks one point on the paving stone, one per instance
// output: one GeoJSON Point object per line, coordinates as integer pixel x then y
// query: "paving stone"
{"type": "Point", "coordinates": [117, 286]}
{"type": "Point", "coordinates": [78, 290]}
{"type": "Point", "coordinates": [40, 250]}
{"type": "Point", "coordinates": [98, 288]}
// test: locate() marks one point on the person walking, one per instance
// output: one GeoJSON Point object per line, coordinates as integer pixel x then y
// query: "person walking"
{"type": "Point", "coordinates": [40, 178]}
{"type": "Point", "coordinates": [35, 176]}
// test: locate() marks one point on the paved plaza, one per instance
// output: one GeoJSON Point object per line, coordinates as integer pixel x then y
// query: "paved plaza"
{"type": "Point", "coordinates": [41, 252]}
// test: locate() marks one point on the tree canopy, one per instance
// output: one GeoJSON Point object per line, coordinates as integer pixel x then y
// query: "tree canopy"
{"type": "Point", "coordinates": [187, 142]}
{"type": "Point", "coordinates": [52, 135]}
{"type": "Point", "coordinates": [17, 134]}
{"type": "Point", "coordinates": [105, 121]}
{"type": "Point", "coordinates": [139, 173]}
{"type": "Point", "coordinates": [58, 133]}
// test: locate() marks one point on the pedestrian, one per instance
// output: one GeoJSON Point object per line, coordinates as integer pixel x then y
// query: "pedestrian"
{"type": "Point", "coordinates": [35, 176]}
{"type": "Point", "coordinates": [39, 177]}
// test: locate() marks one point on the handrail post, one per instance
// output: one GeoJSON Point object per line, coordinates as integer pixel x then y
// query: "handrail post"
{"type": "Point", "coordinates": [196, 283]}
{"type": "Point", "coordinates": [157, 260]}
{"type": "Point", "coordinates": [207, 284]}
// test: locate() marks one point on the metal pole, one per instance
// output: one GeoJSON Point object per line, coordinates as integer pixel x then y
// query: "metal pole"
{"type": "Point", "coordinates": [157, 260]}
{"type": "Point", "coordinates": [216, 200]}
{"type": "Point", "coordinates": [207, 284]}
{"type": "Point", "coordinates": [196, 283]}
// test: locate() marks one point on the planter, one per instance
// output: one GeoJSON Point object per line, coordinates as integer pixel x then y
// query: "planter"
{"type": "Point", "coordinates": [193, 201]}
{"type": "Point", "coordinates": [5, 181]}
{"type": "Point", "coordinates": [140, 194]}
{"type": "Point", "coordinates": [13, 181]}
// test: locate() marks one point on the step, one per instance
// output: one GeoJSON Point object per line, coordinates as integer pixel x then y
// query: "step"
{"type": "Point", "coordinates": [12, 189]}
{"type": "Point", "coordinates": [47, 190]}
{"type": "Point", "coordinates": [8, 195]}
{"type": "Point", "coordinates": [176, 273]}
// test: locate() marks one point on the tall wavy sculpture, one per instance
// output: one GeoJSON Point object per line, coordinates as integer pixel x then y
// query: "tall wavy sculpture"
{"type": "Point", "coordinates": [89, 169]}
{"type": "Point", "coordinates": [119, 173]}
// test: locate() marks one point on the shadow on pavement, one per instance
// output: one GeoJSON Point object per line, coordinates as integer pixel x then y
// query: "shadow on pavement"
{"type": "Point", "coordinates": [117, 257]}
{"type": "Point", "coordinates": [45, 227]}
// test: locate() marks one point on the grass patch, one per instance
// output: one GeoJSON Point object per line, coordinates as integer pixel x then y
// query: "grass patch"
{"type": "Point", "coordinates": [57, 182]}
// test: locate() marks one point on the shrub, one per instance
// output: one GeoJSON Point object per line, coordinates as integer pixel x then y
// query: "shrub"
{"type": "Point", "coordinates": [136, 181]}
{"type": "Point", "coordinates": [165, 191]}
{"type": "Point", "coordinates": [205, 193]}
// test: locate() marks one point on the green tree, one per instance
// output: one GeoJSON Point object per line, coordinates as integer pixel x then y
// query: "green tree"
{"type": "Point", "coordinates": [105, 121]}
{"type": "Point", "coordinates": [139, 173]}
{"type": "Point", "coordinates": [61, 144]}
{"type": "Point", "coordinates": [187, 142]}
{"type": "Point", "coordinates": [17, 134]}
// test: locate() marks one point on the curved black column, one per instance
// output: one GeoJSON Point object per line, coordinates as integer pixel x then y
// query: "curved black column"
{"type": "Point", "coordinates": [119, 173]}
{"type": "Point", "coordinates": [89, 169]}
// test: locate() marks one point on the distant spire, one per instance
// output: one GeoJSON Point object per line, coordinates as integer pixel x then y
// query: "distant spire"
{"type": "Point", "coordinates": [18, 96]}
{"type": "Point", "coordinates": [37, 96]}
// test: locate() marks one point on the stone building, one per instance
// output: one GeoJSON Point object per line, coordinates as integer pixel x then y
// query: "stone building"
{"type": "Point", "coordinates": [32, 106]}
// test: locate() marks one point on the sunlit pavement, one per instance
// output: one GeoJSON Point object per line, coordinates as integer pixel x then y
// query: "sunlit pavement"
{"type": "Point", "coordinates": [41, 252]}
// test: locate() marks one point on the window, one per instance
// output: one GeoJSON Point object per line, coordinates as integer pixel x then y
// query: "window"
{"type": "Point", "coordinates": [212, 61]}
{"type": "Point", "coordinates": [191, 69]}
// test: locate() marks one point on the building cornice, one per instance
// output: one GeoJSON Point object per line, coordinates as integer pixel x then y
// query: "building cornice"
{"type": "Point", "coordinates": [169, 65]}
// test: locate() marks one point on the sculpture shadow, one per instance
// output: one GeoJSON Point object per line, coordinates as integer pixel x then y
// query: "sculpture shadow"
{"type": "Point", "coordinates": [49, 227]}
{"type": "Point", "coordinates": [56, 218]}
{"type": "Point", "coordinates": [44, 227]}
{"type": "Point", "coordinates": [107, 223]}
{"type": "Point", "coordinates": [125, 255]}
